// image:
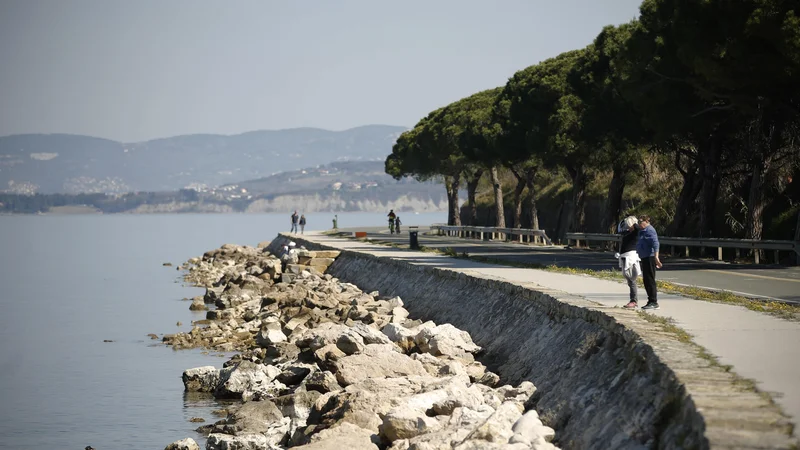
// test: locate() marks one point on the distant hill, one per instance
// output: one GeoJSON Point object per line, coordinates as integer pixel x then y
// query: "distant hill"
{"type": "Point", "coordinates": [59, 163]}
{"type": "Point", "coordinates": [339, 176]}
{"type": "Point", "coordinates": [335, 187]}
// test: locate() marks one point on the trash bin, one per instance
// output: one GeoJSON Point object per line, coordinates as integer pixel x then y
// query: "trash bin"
{"type": "Point", "coordinates": [413, 242]}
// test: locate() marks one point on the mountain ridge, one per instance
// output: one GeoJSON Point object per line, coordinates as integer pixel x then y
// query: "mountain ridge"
{"type": "Point", "coordinates": [69, 163]}
{"type": "Point", "coordinates": [265, 130]}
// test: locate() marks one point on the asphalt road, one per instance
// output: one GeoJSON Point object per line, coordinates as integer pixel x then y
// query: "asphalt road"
{"type": "Point", "coordinates": [759, 281]}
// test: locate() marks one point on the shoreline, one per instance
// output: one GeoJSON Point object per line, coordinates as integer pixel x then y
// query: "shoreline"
{"type": "Point", "coordinates": [593, 366]}
{"type": "Point", "coordinates": [312, 345]}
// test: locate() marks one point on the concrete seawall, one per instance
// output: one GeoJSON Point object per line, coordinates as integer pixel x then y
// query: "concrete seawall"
{"type": "Point", "coordinates": [606, 378]}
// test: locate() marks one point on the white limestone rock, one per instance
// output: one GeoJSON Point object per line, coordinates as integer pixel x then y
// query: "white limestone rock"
{"type": "Point", "coordinates": [445, 340]}
{"type": "Point", "coordinates": [201, 379]}
{"type": "Point", "coordinates": [183, 444]}
{"type": "Point", "coordinates": [245, 376]}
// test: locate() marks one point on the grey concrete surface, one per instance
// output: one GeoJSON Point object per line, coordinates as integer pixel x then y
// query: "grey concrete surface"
{"type": "Point", "coordinates": [759, 281]}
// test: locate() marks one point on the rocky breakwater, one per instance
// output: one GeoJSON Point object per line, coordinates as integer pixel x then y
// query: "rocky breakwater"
{"type": "Point", "coordinates": [323, 365]}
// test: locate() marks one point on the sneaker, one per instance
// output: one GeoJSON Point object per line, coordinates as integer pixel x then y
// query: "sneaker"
{"type": "Point", "coordinates": [650, 305]}
{"type": "Point", "coordinates": [631, 305]}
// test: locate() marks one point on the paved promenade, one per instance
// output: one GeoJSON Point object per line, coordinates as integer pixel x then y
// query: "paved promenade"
{"type": "Point", "coordinates": [764, 281]}
{"type": "Point", "coordinates": [760, 347]}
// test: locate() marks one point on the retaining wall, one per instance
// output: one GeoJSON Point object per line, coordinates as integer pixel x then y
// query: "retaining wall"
{"type": "Point", "coordinates": [606, 378]}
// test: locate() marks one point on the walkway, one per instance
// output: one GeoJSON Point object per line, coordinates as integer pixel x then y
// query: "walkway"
{"type": "Point", "coordinates": [760, 347]}
{"type": "Point", "coordinates": [750, 280]}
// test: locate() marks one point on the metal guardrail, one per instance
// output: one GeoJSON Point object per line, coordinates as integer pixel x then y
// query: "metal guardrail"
{"type": "Point", "coordinates": [491, 233]}
{"type": "Point", "coordinates": [686, 243]}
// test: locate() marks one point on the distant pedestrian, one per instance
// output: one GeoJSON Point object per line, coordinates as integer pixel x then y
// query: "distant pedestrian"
{"type": "Point", "coordinates": [629, 260]}
{"type": "Point", "coordinates": [295, 218]}
{"type": "Point", "coordinates": [397, 224]}
{"type": "Point", "coordinates": [647, 248]}
{"type": "Point", "coordinates": [302, 223]}
{"type": "Point", "coordinates": [391, 217]}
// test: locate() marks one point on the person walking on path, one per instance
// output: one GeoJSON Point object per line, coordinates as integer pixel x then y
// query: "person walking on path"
{"type": "Point", "coordinates": [629, 260]}
{"type": "Point", "coordinates": [647, 248]}
{"type": "Point", "coordinates": [391, 217]}
{"type": "Point", "coordinates": [397, 224]}
{"type": "Point", "coordinates": [294, 223]}
{"type": "Point", "coordinates": [302, 223]}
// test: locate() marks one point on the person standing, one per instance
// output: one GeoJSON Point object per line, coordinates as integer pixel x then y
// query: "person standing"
{"type": "Point", "coordinates": [391, 217]}
{"type": "Point", "coordinates": [397, 224]}
{"type": "Point", "coordinates": [302, 223]}
{"type": "Point", "coordinates": [629, 260]}
{"type": "Point", "coordinates": [294, 222]}
{"type": "Point", "coordinates": [647, 248]}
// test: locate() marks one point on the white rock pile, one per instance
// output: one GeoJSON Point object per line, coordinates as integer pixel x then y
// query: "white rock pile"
{"type": "Point", "coordinates": [324, 365]}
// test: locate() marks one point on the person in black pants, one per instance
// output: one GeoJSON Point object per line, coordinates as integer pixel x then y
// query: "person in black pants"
{"type": "Point", "coordinates": [647, 248]}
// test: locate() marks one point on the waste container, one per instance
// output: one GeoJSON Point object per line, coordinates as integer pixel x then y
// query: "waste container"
{"type": "Point", "coordinates": [413, 242]}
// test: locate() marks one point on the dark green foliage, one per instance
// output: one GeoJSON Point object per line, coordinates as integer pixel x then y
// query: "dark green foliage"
{"type": "Point", "coordinates": [712, 86]}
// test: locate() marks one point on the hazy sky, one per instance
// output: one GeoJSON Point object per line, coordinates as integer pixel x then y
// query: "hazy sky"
{"type": "Point", "coordinates": [135, 70]}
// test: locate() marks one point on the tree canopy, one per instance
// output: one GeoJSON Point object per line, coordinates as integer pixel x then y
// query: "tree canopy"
{"type": "Point", "coordinates": [709, 89]}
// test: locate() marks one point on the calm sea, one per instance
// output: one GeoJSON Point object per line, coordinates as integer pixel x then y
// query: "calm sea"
{"type": "Point", "coordinates": [70, 282]}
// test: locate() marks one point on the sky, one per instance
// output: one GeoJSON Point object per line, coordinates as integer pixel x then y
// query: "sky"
{"type": "Point", "coordinates": [138, 70]}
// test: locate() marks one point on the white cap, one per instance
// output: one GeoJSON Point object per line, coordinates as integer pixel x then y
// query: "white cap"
{"type": "Point", "coordinates": [292, 244]}
{"type": "Point", "coordinates": [627, 223]}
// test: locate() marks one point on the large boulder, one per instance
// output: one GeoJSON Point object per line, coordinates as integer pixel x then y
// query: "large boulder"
{"type": "Point", "coordinates": [297, 405]}
{"type": "Point", "coordinates": [256, 417]}
{"type": "Point", "coordinates": [406, 423]}
{"type": "Point", "coordinates": [325, 334]}
{"type": "Point", "coordinates": [354, 368]}
{"type": "Point", "coordinates": [201, 379]}
{"type": "Point", "coordinates": [197, 304]}
{"type": "Point", "coordinates": [350, 343]}
{"type": "Point", "coordinates": [369, 334]}
{"type": "Point", "coordinates": [183, 444]}
{"type": "Point", "coordinates": [445, 340]}
{"type": "Point", "coordinates": [530, 430]}
{"type": "Point", "coordinates": [270, 336]}
{"type": "Point", "coordinates": [252, 441]}
{"type": "Point", "coordinates": [343, 436]}
{"type": "Point", "coordinates": [293, 374]}
{"type": "Point", "coordinates": [245, 376]}
{"type": "Point", "coordinates": [497, 428]}
{"type": "Point", "coordinates": [322, 381]}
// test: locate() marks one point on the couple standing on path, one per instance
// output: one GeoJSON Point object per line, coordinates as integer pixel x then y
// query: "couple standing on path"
{"type": "Point", "coordinates": [638, 254]}
{"type": "Point", "coordinates": [295, 220]}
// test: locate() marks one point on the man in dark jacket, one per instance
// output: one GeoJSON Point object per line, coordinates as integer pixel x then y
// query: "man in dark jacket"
{"type": "Point", "coordinates": [647, 248]}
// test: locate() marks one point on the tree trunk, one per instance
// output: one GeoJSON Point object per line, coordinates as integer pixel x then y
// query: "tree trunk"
{"type": "Point", "coordinates": [767, 147]}
{"type": "Point", "coordinates": [472, 187]}
{"type": "Point", "coordinates": [710, 189]}
{"type": "Point", "coordinates": [530, 182]}
{"type": "Point", "coordinates": [692, 183]}
{"type": "Point", "coordinates": [498, 198]}
{"type": "Point", "coordinates": [518, 198]}
{"type": "Point", "coordinates": [453, 211]}
{"type": "Point", "coordinates": [614, 204]}
{"type": "Point", "coordinates": [755, 202]}
{"type": "Point", "coordinates": [576, 219]}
